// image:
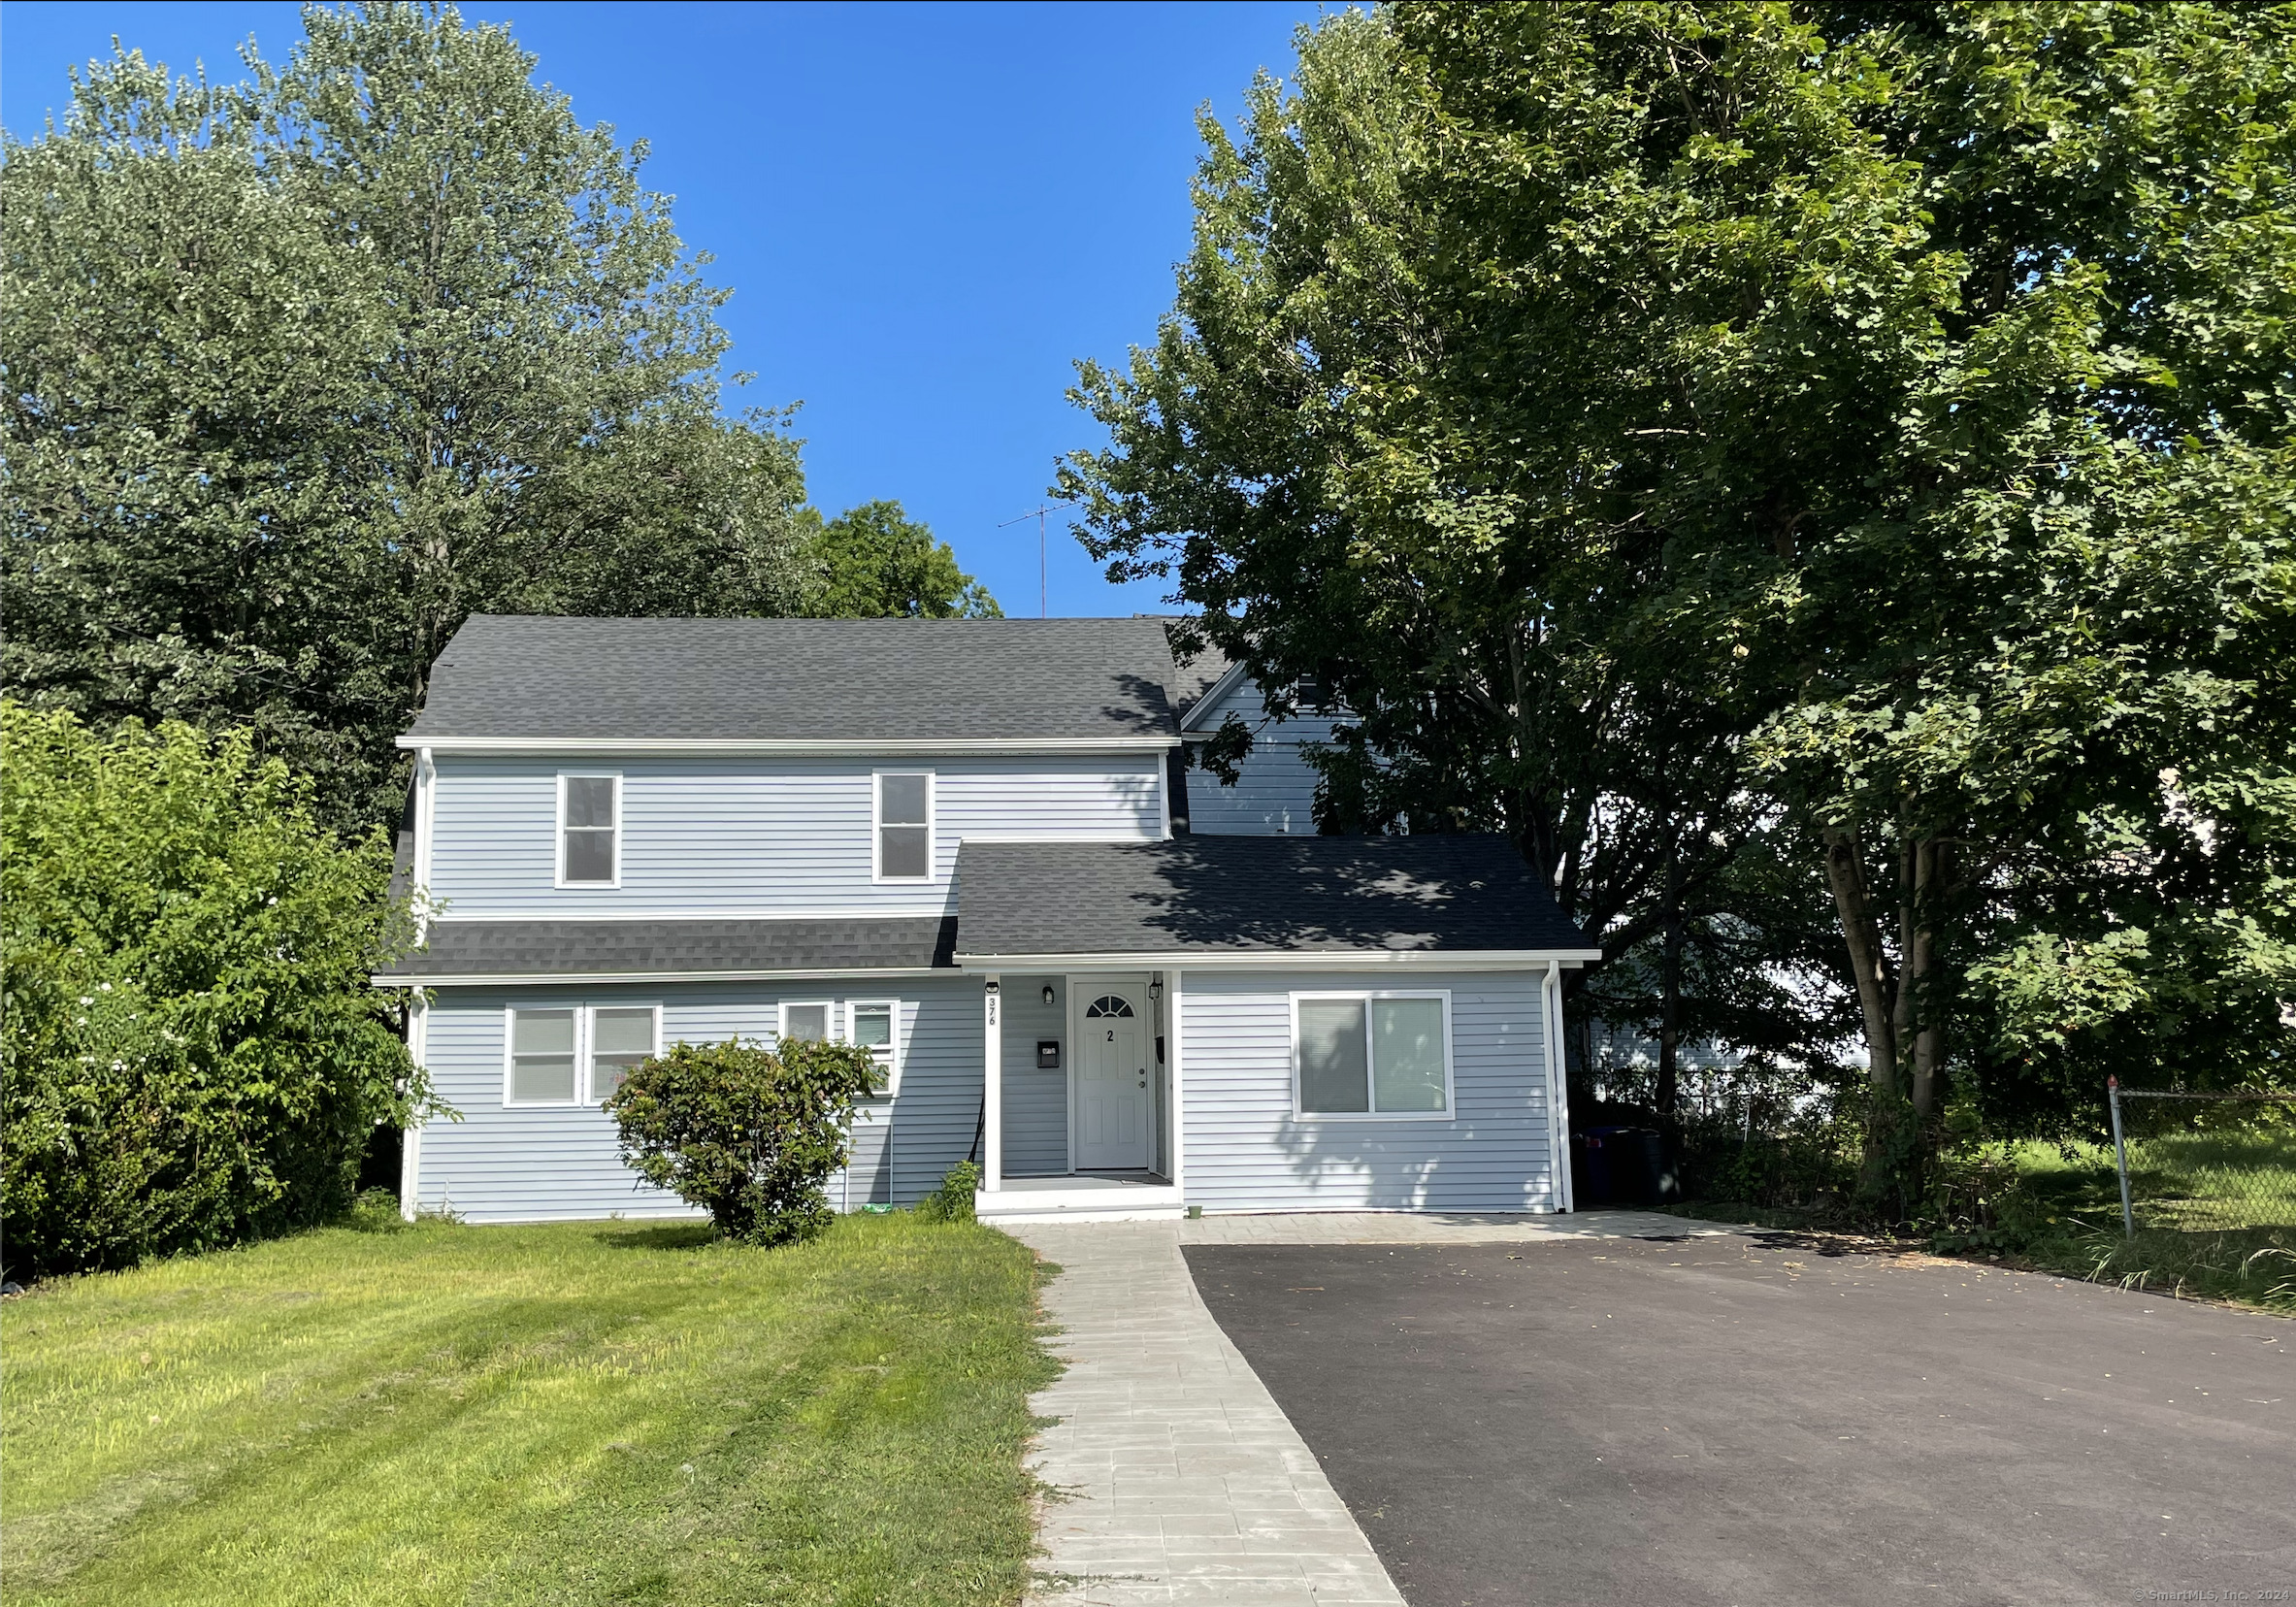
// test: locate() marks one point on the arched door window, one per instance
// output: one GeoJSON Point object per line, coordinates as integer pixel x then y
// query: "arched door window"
{"type": "Point", "coordinates": [1107, 1004]}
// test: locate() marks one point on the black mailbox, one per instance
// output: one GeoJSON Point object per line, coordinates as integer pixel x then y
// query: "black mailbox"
{"type": "Point", "coordinates": [1048, 1053]}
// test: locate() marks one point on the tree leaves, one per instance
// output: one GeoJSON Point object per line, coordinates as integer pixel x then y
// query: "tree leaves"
{"type": "Point", "coordinates": [305, 369]}
{"type": "Point", "coordinates": [1711, 434]}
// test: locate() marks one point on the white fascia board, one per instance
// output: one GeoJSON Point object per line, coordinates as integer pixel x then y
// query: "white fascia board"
{"type": "Point", "coordinates": [1287, 960]}
{"type": "Point", "coordinates": [798, 746]}
{"type": "Point", "coordinates": [529, 916]}
{"type": "Point", "coordinates": [516, 980]}
{"type": "Point", "coordinates": [1212, 696]}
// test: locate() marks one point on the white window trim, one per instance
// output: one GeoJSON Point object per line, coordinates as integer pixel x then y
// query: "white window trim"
{"type": "Point", "coordinates": [893, 1064]}
{"type": "Point", "coordinates": [589, 1039]}
{"type": "Point", "coordinates": [621, 825]}
{"type": "Point", "coordinates": [511, 1014]}
{"type": "Point", "coordinates": [831, 1019]}
{"type": "Point", "coordinates": [1450, 1110]}
{"type": "Point", "coordinates": [584, 1047]}
{"type": "Point", "coordinates": [877, 825]}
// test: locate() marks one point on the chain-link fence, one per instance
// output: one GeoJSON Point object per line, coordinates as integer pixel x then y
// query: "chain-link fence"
{"type": "Point", "coordinates": [2204, 1163]}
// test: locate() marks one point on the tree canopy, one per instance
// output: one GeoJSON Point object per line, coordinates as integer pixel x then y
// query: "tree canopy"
{"type": "Point", "coordinates": [303, 371]}
{"type": "Point", "coordinates": [876, 562]}
{"type": "Point", "coordinates": [1856, 440]}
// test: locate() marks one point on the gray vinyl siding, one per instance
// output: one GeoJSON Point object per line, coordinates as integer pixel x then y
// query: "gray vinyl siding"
{"type": "Point", "coordinates": [1036, 1102]}
{"type": "Point", "coordinates": [502, 1163]}
{"type": "Point", "coordinates": [705, 837]}
{"type": "Point", "coordinates": [1247, 1151]}
{"type": "Point", "coordinates": [1275, 788]}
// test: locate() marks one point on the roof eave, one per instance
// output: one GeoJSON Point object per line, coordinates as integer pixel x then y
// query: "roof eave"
{"type": "Point", "coordinates": [416, 741]}
{"type": "Point", "coordinates": [513, 979]}
{"type": "Point", "coordinates": [1211, 695]}
{"type": "Point", "coordinates": [1282, 959]}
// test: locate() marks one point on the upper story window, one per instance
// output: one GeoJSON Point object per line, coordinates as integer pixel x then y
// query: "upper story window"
{"type": "Point", "coordinates": [903, 813]}
{"type": "Point", "coordinates": [589, 830]}
{"type": "Point", "coordinates": [1372, 1053]}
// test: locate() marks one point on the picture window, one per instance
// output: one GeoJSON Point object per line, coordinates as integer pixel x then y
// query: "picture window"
{"type": "Point", "coordinates": [1372, 1053]}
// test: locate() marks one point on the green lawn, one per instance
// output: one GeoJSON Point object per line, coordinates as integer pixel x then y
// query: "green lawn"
{"type": "Point", "coordinates": [599, 1412]}
{"type": "Point", "coordinates": [2215, 1213]}
{"type": "Point", "coordinates": [2215, 1209]}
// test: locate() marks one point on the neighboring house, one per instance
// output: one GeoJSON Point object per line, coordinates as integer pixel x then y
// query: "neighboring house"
{"type": "Point", "coordinates": [957, 842]}
{"type": "Point", "coordinates": [1620, 1061]}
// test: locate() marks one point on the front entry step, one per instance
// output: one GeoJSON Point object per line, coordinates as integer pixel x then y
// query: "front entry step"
{"type": "Point", "coordinates": [1078, 1199]}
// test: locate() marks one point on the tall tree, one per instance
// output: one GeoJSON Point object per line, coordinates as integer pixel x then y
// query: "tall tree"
{"type": "Point", "coordinates": [303, 371]}
{"type": "Point", "coordinates": [1657, 418]}
{"type": "Point", "coordinates": [875, 562]}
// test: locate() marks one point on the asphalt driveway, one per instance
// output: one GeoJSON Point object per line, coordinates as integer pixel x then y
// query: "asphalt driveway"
{"type": "Point", "coordinates": [1745, 1420]}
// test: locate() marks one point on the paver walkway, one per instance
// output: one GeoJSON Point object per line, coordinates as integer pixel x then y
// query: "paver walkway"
{"type": "Point", "coordinates": [1182, 1479]}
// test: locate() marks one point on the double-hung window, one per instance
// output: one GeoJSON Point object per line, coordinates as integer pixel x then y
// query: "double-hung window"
{"type": "Point", "coordinates": [543, 1064]}
{"type": "Point", "coordinates": [589, 830]}
{"type": "Point", "coordinates": [875, 1025]}
{"type": "Point", "coordinates": [1371, 1055]}
{"type": "Point", "coordinates": [902, 814]}
{"type": "Point", "coordinates": [621, 1036]}
{"type": "Point", "coordinates": [567, 1055]}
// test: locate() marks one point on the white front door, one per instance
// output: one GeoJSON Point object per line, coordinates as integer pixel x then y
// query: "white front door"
{"type": "Point", "coordinates": [1112, 1079]}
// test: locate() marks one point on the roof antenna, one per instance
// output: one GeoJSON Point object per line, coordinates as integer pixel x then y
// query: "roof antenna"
{"type": "Point", "coordinates": [1037, 514]}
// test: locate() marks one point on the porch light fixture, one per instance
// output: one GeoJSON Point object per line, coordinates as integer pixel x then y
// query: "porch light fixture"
{"type": "Point", "coordinates": [1048, 995]}
{"type": "Point", "coordinates": [1155, 991]}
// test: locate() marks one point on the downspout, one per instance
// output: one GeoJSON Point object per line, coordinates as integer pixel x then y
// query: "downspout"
{"type": "Point", "coordinates": [418, 1003]}
{"type": "Point", "coordinates": [418, 1042]}
{"type": "Point", "coordinates": [1557, 1083]}
{"type": "Point", "coordinates": [426, 808]}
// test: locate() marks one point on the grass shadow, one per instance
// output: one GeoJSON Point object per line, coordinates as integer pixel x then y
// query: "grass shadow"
{"type": "Point", "coordinates": [669, 1236]}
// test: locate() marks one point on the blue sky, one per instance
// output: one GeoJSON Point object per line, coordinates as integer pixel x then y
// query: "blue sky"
{"type": "Point", "coordinates": [926, 212]}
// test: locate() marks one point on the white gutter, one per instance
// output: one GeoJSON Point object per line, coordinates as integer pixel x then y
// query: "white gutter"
{"type": "Point", "coordinates": [513, 979]}
{"type": "Point", "coordinates": [794, 745]}
{"type": "Point", "coordinates": [1293, 958]}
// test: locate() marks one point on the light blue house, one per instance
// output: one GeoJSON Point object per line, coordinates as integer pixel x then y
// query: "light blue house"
{"type": "Point", "coordinates": [975, 847]}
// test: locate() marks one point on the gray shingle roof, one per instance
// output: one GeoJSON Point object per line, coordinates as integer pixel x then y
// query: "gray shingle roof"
{"type": "Point", "coordinates": [1233, 895]}
{"type": "Point", "coordinates": [639, 948]}
{"type": "Point", "coordinates": [524, 677]}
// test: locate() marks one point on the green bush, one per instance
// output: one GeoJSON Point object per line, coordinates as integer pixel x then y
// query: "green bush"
{"type": "Point", "coordinates": [952, 1201]}
{"type": "Point", "coordinates": [192, 1052]}
{"type": "Point", "coordinates": [751, 1134]}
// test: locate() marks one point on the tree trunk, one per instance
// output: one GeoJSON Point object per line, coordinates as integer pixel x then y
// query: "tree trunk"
{"type": "Point", "coordinates": [1845, 874]}
{"type": "Point", "coordinates": [1919, 986]}
{"type": "Point", "coordinates": [1669, 1092]}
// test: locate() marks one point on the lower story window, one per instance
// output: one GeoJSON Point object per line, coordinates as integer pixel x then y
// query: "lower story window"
{"type": "Point", "coordinates": [1372, 1053]}
{"type": "Point", "coordinates": [579, 1054]}
{"type": "Point", "coordinates": [871, 1027]}
{"type": "Point", "coordinates": [806, 1023]}
{"type": "Point", "coordinates": [620, 1037]}
{"type": "Point", "coordinates": [542, 1057]}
